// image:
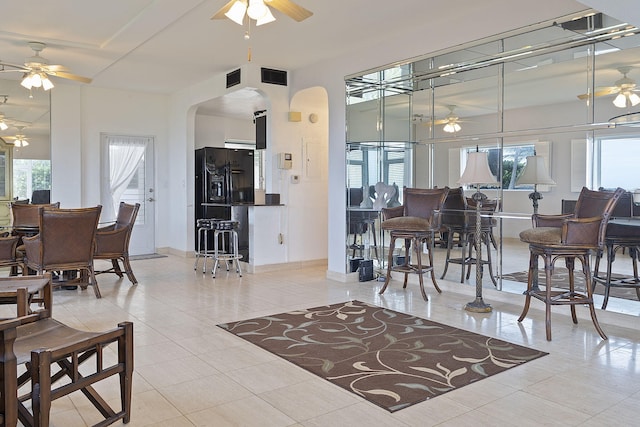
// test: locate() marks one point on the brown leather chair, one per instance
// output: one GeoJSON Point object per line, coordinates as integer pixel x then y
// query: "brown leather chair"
{"type": "Point", "coordinates": [452, 215]}
{"type": "Point", "coordinates": [463, 223]}
{"type": "Point", "coordinates": [56, 360]}
{"type": "Point", "coordinates": [570, 236]}
{"type": "Point", "coordinates": [65, 241]}
{"type": "Point", "coordinates": [112, 241]}
{"type": "Point", "coordinates": [9, 256]}
{"type": "Point", "coordinates": [416, 221]}
{"type": "Point", "coordinates": [27, 215]}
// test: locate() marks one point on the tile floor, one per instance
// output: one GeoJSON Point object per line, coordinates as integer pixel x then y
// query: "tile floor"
{"type": "Point", "coordinates": [188, 372]}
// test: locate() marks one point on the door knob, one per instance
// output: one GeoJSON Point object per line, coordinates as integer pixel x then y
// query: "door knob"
{"type": "Point", "coordinates": [151, 199]}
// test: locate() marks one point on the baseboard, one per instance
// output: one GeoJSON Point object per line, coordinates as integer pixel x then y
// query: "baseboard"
{"type": "Point", "coordinates": [318, 263]}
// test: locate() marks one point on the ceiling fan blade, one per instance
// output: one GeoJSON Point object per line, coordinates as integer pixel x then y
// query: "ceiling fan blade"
{"type": "Point", "coordinates": [220, 14]}
{"type": "Point", "coordinates": [603, 91]}
{"type": "Point", "coordinates": [70, 76]}
{"type": "Point", "coordinates": [55, 68]}
{"type": "Point", "coordinates": [290, 9]}
{"type": "Point", "coordinates": [13, 67]}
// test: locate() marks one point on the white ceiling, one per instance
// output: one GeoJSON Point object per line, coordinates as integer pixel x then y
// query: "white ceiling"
{"type": "Point", "coordinates": [165, 45]}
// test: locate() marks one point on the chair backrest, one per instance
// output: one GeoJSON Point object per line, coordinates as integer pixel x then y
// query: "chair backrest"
{"type": "Point", "coordinates": [453, 207]}
{"type": "Point", "coordinates": [67, 235]}
{"type": "Point", "coordinates": [421, 202]}
{"type": "Point", "coordinates": [26, 215]}
{"type": "Point", "coordinates": [593, 203]}
{"type": "Point", "coordinates": [127, 214]}
{"type": "Point", "coordinates": [41, 197]}
{"type": "Point", "coordinates": [355, 196]}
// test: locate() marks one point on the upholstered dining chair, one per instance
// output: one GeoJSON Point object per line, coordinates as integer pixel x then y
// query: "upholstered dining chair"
{"type": "Point", "coordinates": [65, 241]}
{"type": "Point", "coordinates": [416, 221]}
{"type": "Point", "coordinates": [577, 235]}
{"type": "Point", "coordinates": [25, 215]}
{"type": "Point", "coordinates": [9, 256]}
{"type": "Point", "coordinates": [112, 241]}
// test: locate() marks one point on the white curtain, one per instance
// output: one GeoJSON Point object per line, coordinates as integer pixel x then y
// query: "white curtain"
{"type": "Point", "coordinates": [125, 155]}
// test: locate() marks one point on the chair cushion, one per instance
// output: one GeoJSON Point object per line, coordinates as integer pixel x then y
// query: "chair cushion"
{"type": "Point", "coordinates": [407, 223]}
{"type": "Point", "coordinates": [542, 235]}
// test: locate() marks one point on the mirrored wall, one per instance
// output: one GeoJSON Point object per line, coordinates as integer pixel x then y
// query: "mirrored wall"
{"type": "Point", "coordinates": [551, 89]}
{"type": "Point", "coordinates": [26, 115]}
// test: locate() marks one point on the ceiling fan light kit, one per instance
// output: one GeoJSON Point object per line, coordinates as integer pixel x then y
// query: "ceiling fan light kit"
{"type": "Point", "coordinates": [260, 11]}
{"type": "Point", "coordinates": [452, 127]}
{"type": "Point", "coordinates": [626, 99]}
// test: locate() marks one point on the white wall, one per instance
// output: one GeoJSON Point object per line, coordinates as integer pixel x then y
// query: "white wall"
{"type": "Point", "coordinates": [79, 114]}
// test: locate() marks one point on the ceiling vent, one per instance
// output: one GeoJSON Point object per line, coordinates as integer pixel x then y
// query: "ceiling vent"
{"type": "Point", "coordinates": [233, 78]}
{"type": "Point", "coordinates": [274, 77]}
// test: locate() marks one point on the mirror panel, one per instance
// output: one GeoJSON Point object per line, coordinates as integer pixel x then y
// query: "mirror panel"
{"type": "Point", "coordinates": [26, 113]}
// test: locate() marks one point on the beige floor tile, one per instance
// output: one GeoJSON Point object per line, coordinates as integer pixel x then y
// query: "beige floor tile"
{"type": "Point", "coordinates": [250, 411]}
{"type": "Point", "coordinates": [190, 372]}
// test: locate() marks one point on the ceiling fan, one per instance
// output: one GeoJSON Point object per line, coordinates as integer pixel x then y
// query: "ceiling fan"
{"type": "Point", "coordinates": [451, 121]}
{"type": "Point", "coordinates": [625, 89]}
{"type": "Point", "coordinates": [37, 70]}
{"type": "Point", "coordinates": [20, 139]}
{"type": "Point", "coordinates": [260, 11]}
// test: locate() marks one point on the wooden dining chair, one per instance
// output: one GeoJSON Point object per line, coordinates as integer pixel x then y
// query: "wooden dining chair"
{"type": "Point", "coordinates": [65, 241]}
{"type": "Point", "coordinates": [112, 241]}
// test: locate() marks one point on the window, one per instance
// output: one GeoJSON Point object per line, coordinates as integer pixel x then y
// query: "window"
{"type": "Point", "coordinates": [618, 160]}
{"type": "Point", "coordinates": [30, 175]}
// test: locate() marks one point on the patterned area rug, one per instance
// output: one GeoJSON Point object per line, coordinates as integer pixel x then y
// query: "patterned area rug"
{"type": "Point", "coordinates": [560, 279]}
{"type": "Point", "coordinates": [392, 359]}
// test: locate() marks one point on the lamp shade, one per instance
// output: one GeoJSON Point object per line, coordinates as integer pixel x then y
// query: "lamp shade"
{"type": "Point", "coordinates": [535, 172]}
{"type": "Point", "coordinates": [477, 170]}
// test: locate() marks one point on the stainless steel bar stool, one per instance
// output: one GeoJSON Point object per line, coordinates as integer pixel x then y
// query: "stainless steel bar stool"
{"type": "Point", "coordinates": [204, 225]}
{"type": "Point", "coordinates": [226, 228]}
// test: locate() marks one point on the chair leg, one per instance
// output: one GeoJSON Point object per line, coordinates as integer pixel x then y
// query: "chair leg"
{"type": "Point", "coordinates": [592, 308]}
{"type": "Point", "coordinates": [418, 249]}
{"type": "Point", "coordinates": [125, 356]}
{"type": "Point", "coordinates": [94, 282]}
{"type": "Point", "coordinates": [116, 267]}
{"type": "Point", "coordinates": [128, 270]}
{"type": "Point", "coordinates": [548, 266]}
{"type": "Point", "coordinates": [392, 245]}
{"type": "Point", "coordinates": [448, 256]}
{"type": "Point", "coordinates": [570, 263]}
{"type": "Point", "coordinates": [527, 300]}
{"type": "Point", "coordinates": [407, 260]}
{"type": "Point", "coordinates": [607, 285]}
{"type": "Point", "coordinates": [41, 387]}
{"type": "Point", "coordinates": [430, 246]}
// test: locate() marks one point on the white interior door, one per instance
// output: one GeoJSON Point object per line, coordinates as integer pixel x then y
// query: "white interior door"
{"type": "Point", "coordinates": [139, 189]}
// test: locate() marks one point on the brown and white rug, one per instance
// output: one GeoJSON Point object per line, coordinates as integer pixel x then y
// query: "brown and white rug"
{"type": "Point", "coordinates": [392, 359]}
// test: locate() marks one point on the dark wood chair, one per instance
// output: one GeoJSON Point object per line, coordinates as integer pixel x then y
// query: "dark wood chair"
{"type": "Point", "coordinates": [112, 241]}
{"type": "Point", "coordinates": [9, 256]}
{"type": "Point", "coordinates": [66, 241]}
{"type": "Point", "coordinates": [416, 221]}
{"type": "Point", "coordinates": [23, 291]}
{"type": "Point", "coordinates": [619, 238]}
{"type": "Point", "coordinates": [577, 235]}
{"type": "Point", "coordinates": [57, 360]}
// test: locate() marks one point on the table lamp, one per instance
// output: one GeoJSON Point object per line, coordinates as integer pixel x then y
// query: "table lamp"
{"type": "Point", "coordinates": [477, 172]}
{"type": "Point", "coordinates": [535, 173]}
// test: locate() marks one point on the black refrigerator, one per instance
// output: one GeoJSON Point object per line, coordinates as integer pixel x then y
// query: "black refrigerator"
{"type": "Point", "coordinates": [224, 177]}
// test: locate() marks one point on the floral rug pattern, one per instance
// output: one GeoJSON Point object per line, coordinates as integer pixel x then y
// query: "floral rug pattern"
{"type": "Point", "coordinates": [389, 358]}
